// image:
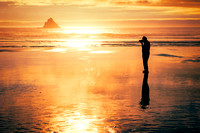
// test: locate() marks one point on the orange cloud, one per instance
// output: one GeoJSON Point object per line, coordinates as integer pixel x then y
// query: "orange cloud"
{"type": "Point", "coordinates": [164, 3]}
{"type": "Point", "coordinates": [180, 3]}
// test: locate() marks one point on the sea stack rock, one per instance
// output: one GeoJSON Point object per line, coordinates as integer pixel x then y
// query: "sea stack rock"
{"type": "Point", "coordinates": [50, 24]}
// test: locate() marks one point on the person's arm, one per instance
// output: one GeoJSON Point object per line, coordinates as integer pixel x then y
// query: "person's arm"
{"type": "Point", "coordinates": [142, 43]}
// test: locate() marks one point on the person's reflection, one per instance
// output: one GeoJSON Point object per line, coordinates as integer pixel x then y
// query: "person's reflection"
{"type": "Point", "coordinates": [145, 92]}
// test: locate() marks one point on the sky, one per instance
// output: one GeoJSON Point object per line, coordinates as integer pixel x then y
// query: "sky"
{"type": "Point", "coordinates": [100, 13]}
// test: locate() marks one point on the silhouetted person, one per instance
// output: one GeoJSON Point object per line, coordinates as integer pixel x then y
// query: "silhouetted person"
{"type": "Point", "coordinates": [145, 92]}
{"type": "Point", "coordinates": [145, 53]}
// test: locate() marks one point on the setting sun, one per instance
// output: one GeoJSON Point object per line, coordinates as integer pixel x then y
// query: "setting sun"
{"type": "Point", "coordinates": [80, 43]}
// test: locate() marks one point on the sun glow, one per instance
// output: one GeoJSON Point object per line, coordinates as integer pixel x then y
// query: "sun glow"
{"type": "Point", "coordinates": [81, 42]}
{"type": "Point", "coordinates": [81, 36]}
{"type": "Point", "coordinates": [81, 30]}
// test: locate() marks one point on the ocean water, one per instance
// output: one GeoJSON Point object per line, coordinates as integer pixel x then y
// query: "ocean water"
{"type": "Point", "coordinates": [91, 81]}
{"type": "Point", "coordinates": [172, 36]}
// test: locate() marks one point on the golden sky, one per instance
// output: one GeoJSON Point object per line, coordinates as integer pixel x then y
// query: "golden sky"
{"type": "Point", "coordinates": [100, 13]}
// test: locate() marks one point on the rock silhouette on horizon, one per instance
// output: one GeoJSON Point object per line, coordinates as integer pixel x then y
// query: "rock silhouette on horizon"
{"type": "Point", "coordinates": [50, 24]}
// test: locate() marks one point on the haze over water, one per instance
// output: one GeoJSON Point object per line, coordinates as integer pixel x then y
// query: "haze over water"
{"type": "Point", "coordinates": [83, 36]}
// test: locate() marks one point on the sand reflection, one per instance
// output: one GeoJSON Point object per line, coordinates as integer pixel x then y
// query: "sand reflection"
{"type": "Point", "coordinates": [145, 92]}
{"type": "Point", "coordinates": [76, 120]}
{"type": "Point", "coordinates": [79, 91]}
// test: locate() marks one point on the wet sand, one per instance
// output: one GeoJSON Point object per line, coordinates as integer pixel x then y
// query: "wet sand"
{"type": "Point", "coordinates": [99, 89]}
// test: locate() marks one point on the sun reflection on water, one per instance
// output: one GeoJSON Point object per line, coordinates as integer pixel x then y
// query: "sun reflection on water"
{"type": "Point", "coordinates": [80, 119]}
{"type": "Point", "coordinates": [81, 42]}
{"type": "Point", "coordinates": [101, 52]}
{"type": "Point", "coordinates": [76, 122]}
{"type": "Point", "coordinates": [82, 36]}
{"type": "Point", "coordinates": [61, 50]}
{"type": "Point", "coordinates": [78, 42]}
{"type": "Point", "coordinates": [80, 123]}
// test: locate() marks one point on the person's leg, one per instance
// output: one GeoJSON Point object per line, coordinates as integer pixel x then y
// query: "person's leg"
{"type": "Point", "coordinates": [143, 59]}
{"type": "Point", "coordinates": [146, 65]}
{"type": "Point", "coordinates": [145, 62]}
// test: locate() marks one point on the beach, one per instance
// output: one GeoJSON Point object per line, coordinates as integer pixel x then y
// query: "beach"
{"type": "Point", "coordinates": [99, 89]}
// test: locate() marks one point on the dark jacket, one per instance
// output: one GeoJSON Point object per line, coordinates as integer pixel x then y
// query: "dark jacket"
{"type": "Point", "coordinates": [146, 48]}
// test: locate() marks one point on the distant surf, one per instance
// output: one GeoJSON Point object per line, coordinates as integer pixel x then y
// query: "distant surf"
{"type": "Point", "coordinates": [112, 37]}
